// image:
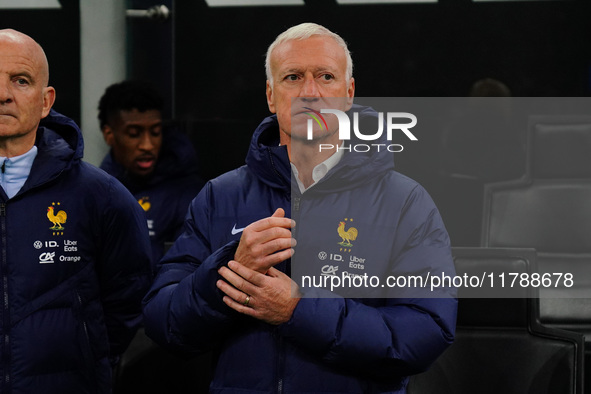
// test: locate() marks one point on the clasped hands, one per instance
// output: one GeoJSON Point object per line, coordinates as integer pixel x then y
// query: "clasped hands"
{"type": "Point", "coordinates": [252, 285]}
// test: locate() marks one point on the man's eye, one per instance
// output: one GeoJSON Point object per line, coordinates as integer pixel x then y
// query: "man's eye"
{"type": "Point", "coordinates": [327, 77]}
{"type": "Point", "coordinates": [291, 77]}
{"type": "Point", "coordinates": [22, 81]}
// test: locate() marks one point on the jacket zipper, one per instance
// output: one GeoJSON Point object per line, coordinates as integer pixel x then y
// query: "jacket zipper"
{"type": "Point", "coordinates": [295, 213]}
{"type": "Point", "coordinates": [296, 204]}
{"type": "Point", "coordinates": [5, 310]}
{"type": "Point", "coordinates": [280, 362]}
{"type": "Point", "coordinates": [280, 359]}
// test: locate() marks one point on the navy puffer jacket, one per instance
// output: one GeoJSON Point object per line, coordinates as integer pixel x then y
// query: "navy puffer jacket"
{"type": "Point", "coordinates": [74, 267]}
{"type": "Point", "coordinates": [331, 344]}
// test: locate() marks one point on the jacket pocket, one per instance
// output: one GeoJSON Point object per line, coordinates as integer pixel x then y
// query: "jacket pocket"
{"type": "Point", "coordinates": [83, 333]}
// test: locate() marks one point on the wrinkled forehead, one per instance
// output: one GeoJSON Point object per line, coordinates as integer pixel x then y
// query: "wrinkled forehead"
{"type": "Point", "coordinates": [22, 49]}
{"type": "Point", "coordinates": [316, 48]}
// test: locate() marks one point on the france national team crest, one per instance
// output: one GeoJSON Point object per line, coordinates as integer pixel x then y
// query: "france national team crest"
{"type": "Point", "coordinates": [57, 217]}
{"type": "Point", "coordinates": [145, 204]}
{"type": "Point", "coordinates": [348, 235]}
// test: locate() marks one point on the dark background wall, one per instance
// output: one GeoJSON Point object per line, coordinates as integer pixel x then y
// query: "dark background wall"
{"type": "Point", "coordinates": [58, 32]}
{"type": "Point", "coordinates": [538, 48]}
{"type": "Point", "coordinates": [208, 62]}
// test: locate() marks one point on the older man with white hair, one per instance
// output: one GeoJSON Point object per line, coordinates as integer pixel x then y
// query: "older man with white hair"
{"type": "Point", "coordinates": [228, 283]}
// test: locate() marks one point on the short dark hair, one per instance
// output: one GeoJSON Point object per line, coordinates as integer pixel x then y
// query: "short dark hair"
{"type": "Point", "coordinates": [489, 87]}
{"type": "Point", "coordinates": [126, 96]}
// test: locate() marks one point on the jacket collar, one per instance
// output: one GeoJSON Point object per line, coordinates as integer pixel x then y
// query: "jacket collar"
{"type": "Point", "coordinates": [270, 162]}
{"type": "Point", "coordinates": [60, 145]}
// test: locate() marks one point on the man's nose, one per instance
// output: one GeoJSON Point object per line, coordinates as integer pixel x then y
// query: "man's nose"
{"type": "Point", "coordinates": [146, 141]}
{"type": "Point", "coordinates": [5, 93]}
{"type": "Point", "coordinates": [309, 88]}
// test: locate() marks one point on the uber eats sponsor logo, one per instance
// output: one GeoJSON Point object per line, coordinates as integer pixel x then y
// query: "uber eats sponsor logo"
{"type": "Point", "coordinates": [393, 124]}
{"type": "Point", "coordinates": [351, 261]}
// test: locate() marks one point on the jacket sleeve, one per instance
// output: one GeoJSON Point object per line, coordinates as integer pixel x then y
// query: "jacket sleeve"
{"type": "Point", "coordinates": [184, 309]}
{"type": "Point", "coordinates": [124, 266]}
{"type": "Point", "coordinates": [401, 333]}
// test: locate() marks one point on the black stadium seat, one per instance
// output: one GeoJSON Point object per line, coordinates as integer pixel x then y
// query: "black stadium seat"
{"type": "Point", "coordinates": [500, 345]}
{"type": "Point", "coordinates": [550, 210]}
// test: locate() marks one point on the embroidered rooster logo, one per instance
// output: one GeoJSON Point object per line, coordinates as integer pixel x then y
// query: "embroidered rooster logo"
{"type": "Point", "coordinates": [57, 220]}
{"type": "Point", "coordinates": [145, 203]}
{"type": "Point", "coordinates": [347, 235]}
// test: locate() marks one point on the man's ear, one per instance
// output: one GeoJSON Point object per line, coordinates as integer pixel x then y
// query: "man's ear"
{"type": "Point", "coordinates": [350, 93]}
{"type": "Point", "coordinates": [108, 135]}
{"type": "Point", "coordinates": [270, 101]}
{"type": "Point", "coordinates": [48, 100]}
